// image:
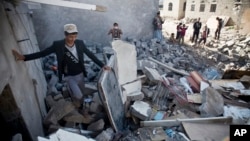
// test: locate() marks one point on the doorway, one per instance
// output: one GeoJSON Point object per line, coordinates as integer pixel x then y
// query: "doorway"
{"type": "Point", "coordinates": [11, 120]}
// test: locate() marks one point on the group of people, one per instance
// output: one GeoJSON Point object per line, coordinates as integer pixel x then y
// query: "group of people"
{"type": "Point", "coordinates": [181, 31]}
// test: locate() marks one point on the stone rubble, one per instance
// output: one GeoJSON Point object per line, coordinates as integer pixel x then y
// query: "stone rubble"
{"type": "Point", "coordinates": [165, 94]}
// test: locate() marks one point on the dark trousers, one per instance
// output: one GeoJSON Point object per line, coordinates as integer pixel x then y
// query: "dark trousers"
{"type": "Point", "coordinates": [195, 36]}
{"type": "Point", "coordinates": [217, 33]}
{"type": "Point", "coordinates": [203, 39]}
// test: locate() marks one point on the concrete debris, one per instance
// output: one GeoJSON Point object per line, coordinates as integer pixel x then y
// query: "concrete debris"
{"type": "Point", "coordinates": [17, 137]}
{"type": "Point", "coordinates": [141, 110]}
{"type": "Point", "coordinates": [106, 135]}
{"type": "Point", "coordinates": [62, 135]}
{"type": "Point", "coordinates": [96, 126]}
{"type": "Point", "coordinates": [161, 85]}
{"type": "Point", "coordinates": [212, 103]}
{"type": "Point", "coordinates": [152, 75]}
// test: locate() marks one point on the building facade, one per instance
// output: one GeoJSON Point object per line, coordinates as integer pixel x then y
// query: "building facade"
{"type": "Point", "coordinates": [206, 8]}
{"type": "Point", "coordinates": [174, 9]}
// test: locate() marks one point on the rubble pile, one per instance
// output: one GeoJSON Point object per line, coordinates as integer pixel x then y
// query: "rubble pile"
{"type": "Point", "coordinates": [233, 51]}
{"type": "Point", "coordinates": [181, 91]}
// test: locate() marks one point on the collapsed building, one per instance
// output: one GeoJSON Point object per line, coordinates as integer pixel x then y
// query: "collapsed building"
{"type": "Point", "coordinates": [154, 91]}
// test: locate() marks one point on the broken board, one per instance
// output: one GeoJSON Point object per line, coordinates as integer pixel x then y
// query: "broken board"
{"type": "Point", "coordinates": [206, 131]}
{"type": "Point", "coordinates": [111, 96]}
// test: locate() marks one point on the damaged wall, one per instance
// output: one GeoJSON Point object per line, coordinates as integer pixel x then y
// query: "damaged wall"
{"type": "Point", "coordinates": [223, 8]}
{"type": "Point", "coordinates": [133, 16]}
{"type": "Point", "coordinates": [25, 79]}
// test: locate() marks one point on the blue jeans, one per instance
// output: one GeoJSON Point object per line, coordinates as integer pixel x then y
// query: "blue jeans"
{"type": "Point", "coordinates": [76, 86]}
{"type": "Point", "coordinates": [158, 34]}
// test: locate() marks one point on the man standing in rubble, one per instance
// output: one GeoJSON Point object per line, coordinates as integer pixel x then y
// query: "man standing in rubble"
{"type": "Point", "coordinates": [197, 26]}
{"type": "Point", "coordinates": [70, 58]}
{"type": "Point", "coordinates": [157, 22]}
{"type": "Point", "coordinates": [218, 29]}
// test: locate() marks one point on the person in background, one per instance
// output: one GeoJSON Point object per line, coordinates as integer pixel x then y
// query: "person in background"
{"type": "Point", "coordinates": [183, 33]}
{"type": "Point", "coordinates": [172, 39]}
{"type": "Point", "coordinates": [157, 22]}
{"type": "Point", "coordinates": [116, 32]}
{"type": "Point", "coordinates": [197, 26]}
{"type": "Point", "coordinates": [204, 35]}
{"type": "Point", "coordinates": [178, 32]}
{"type": "Point", "coordinates": [218, 29]}
{"type": "Point", "coordinates": [69, 52]}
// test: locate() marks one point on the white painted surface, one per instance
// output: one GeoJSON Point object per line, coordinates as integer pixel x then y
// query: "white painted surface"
{"type": "Point", "coordinates": [141, 107]}
{"type": "Point", "coordinates": [64, 3]}
{"type": "Point", "coordinates": [126, 61]}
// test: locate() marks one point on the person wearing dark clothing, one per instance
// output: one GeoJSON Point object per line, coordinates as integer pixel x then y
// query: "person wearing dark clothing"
{"type": "Point", "coordinates": [218, 29]}
{"type": "Point", "coordinates": [178, 31]}
{"type": "Point", "coordinates": [157, 22]}
{"type": "Point", "coordinates": [70, 59]}
{"type": "Point", "coordinates": [197, 26]}
{"type": "Point", "coordinates": [115, 32]}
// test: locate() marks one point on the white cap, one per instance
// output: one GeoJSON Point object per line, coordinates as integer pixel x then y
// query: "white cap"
{"type": "Point", "coordinates": [70, 28]}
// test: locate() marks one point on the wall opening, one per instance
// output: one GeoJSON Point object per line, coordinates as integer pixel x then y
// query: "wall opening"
{"type": "Point", "coordinates": [213, 8]}
{"type": "Point", "coordinates": [170, 6]}
{"type": "Point", "coordinates": [192, 7]}
{"type": "Point", "coordinates": [184, 6]}
{"type": "Point", "coordinates": [11, 120]}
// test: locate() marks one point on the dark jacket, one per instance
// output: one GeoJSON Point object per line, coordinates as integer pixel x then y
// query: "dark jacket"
{"type": "Point", "coordinates": [58, 48]}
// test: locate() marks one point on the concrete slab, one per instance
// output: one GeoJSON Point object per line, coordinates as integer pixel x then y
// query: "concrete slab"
{"type": "Point", "coordinates": [126, 61]}
{"type": "Point", "coordinates": [141, 110]}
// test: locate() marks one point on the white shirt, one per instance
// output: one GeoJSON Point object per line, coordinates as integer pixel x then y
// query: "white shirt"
{"type": "Point", "coordinates": [72, 50]}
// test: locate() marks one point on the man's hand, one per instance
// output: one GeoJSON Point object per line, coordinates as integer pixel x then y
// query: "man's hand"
{"type": "Point", "coordinates": [17, 55]}
{"type": "Point", "coordinates": [106, 68]}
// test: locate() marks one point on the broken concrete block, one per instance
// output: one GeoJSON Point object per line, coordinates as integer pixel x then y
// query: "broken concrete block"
{"type": "Point", "coordinates": [96, 126]}
{"type": "Point", "coordinates": [152, 74]}
{"type": "Point", "coordinates": [148, 93]}
{"type": "Point", "coordinates": [133, 91]}
{"type": "Point", "coordinates": [58, 97]}
{"type": "Point", "coordinates": [212, 103]}
{"type": "Point", "coordinates": [230, 43]}
{"type": "Point", "coordinates": [126, 61]}
{"type": "Point", "coordinates": [50, 102]}
{"type": "Point", "coordinates": [141, 110]}
{"type": "Point", "coordinates": [141, 64]}
{"type": "Point", "coordinates": [58, 111]}
{"type": "Point", "coordinates": [194, 98]}
{"type": "Point", "coordinates": [62, 135]}
{"type": "Point", "coordinates": [76, 117]}
{"type": "Point", "coordinates": [106, 135]}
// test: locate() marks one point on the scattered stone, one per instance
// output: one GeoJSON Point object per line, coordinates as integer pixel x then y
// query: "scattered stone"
{"type": "Point", "coordinates": [141, 110]}
{"type": "Point", "coordinates": [96, 126]}
{"type": "Point", "coordinates": [106, 135]}
{"type": "Point", "coordinates": [212, 103]}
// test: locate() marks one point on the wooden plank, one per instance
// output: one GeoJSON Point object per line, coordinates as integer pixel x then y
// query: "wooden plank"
{"type": "Point", "coordinates": [177, 122]}
{"type": "Point", "coordinates": [170, 68]}
{"type": "Point", "coordinates": [204, 131]}
{"type": "Point", "coordinates": [70, 4]}
{"type": "Point", "coordinates": [111, 96]}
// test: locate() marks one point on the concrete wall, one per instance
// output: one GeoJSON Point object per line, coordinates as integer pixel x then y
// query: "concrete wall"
{"type": "Point", "coordinates": [133, 16]}
{"type": "Point", "coordinates": [17, 33]}
{"type": "Point", "coordinates": [224, 8]}
{"type": "Point", "coordinates": [177, 11]}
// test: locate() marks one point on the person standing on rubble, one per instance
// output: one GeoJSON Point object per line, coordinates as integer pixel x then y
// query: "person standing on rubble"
{"type": "Point", "coordinates": [178, 32]}
{"type": "Point", "coordinates": [115, 32]}
{"type": "Point", "coordinates": [218, 29]}
{"type": "Point", "coordinates": [204, 35]}
{"type": "Point", "coordinates": [157, 22]}
{"type": "Point", "coordinates": [69, 52]}
{"type": "Point", "coordinates": [183, 33]}
{"type": "Point", "coordinates": [197, 26]}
